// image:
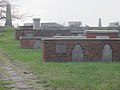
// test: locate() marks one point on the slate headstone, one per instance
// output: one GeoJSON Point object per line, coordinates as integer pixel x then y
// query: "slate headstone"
{"type": "Point", "coordinates": [107, 53]}
{"type": "Point", "coordinates": [77, 53]}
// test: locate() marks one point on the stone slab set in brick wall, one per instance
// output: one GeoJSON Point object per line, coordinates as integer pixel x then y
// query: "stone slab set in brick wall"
{"type": "Point", "coordinates": [76, 49]}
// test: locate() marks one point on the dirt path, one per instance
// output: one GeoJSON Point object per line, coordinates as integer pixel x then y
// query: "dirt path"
{"type": "Point", "coordinates": [20, 75]}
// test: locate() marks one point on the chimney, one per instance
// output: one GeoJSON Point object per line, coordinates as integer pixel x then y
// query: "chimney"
{"type": "Point", "coordinates": [8, 16]}
{"type": "Point", "coordinates": [36, 23]}
{"type": "Point", "coordinates": [99, 23]}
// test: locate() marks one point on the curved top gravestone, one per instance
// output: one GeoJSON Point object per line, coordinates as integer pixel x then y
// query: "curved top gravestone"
{"type": "Point", "coordinates": [107, 53]}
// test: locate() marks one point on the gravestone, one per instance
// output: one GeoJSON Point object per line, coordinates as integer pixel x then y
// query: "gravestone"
{"type": "Point", "coordinates": [60, 48]}
{"type": "Point", "coordinates": [77, 53]}
{"type": "Point", "coordinates": [107, 53]}
{"type": "Point", "coordinates": [37, 44]}
{"type": "Point", "coordinates": [1, 28]}
{"type": "Point", "coordinates": [29, 35]}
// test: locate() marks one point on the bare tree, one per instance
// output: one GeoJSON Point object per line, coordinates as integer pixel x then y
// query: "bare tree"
{"type": "Point", "coordinates": [16, 12]}
{"type": "Point", "coordinates": [2, 9]}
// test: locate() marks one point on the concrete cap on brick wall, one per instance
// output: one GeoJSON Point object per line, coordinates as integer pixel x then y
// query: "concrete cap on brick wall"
{"type": "Point", "coordinates": [70, 37]}
{"type": "Point", "coordinates": [77, 38]}
{"type": "Point", "coordinates": [31, 38]}
{"type": "Point", "coordinates": [101, 31]}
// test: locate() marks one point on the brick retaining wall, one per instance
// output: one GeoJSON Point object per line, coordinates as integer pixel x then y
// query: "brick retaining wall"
{"type": "Point", "coordinates": [41, 33]}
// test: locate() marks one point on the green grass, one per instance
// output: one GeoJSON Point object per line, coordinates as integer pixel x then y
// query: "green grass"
{"type": "Point", "coordinates": [12, 47]}
{"type": "Point", "coordinates": [64, 76]}
{"type": "Point", "coordinates": [4, 85]}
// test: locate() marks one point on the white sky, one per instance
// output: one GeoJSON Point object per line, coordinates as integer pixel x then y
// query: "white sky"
{"type": "Point", "coordinates": [62, 11]}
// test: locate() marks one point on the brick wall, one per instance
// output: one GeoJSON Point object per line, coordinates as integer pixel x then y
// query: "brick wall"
{"type": "Point", "coordinates": [41, 33]}
{"type": "Point", "coordinates": [92, 49]}
{"type": "Point", "coordinates": [50, 33]}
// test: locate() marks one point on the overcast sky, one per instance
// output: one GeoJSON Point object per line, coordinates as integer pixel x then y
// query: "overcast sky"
{"type": "Point", "coordinates": [62, 11]}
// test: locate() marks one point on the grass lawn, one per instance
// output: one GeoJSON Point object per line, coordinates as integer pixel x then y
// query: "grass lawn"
{"type": "Point", "coordinates": [64, 76]}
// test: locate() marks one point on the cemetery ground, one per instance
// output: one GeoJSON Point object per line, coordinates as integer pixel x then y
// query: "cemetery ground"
{"type": "Point", "coordinates": [60, 75]}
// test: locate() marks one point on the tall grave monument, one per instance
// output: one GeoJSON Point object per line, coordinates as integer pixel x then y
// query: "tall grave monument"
{"type": "Point", "coordinates": [99, 23]}
{"type": "Point", "coordinates": [8, 16]}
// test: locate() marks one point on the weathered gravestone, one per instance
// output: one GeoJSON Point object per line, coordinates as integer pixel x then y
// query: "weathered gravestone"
{"type": "Point", "coordinates": [77, 53]}
{"type": "Point", "coordinates": [37, 44]}
{"type": "Point", "coordinates": [29, 35]}
{"type": "Point", "coordinates": [1, 28]}
{"type": "Point", "coordinates": [60, 48]}
{"type": "Point", "coordinates": [107, 53]}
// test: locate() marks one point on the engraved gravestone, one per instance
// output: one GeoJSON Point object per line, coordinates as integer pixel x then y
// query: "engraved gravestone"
{"type": "Point", "coordinates": [29, 35]}
{"type": "Point", "coordinates": [60, 48]}
{"type": "Point", "coordinates": [77, 53]}
{"type": "Point", "coordinates": [107, 53]}
{"type": "Point", "coordinates": [37, 44]}
{"type": "Point", "coordinates": [1, 28]}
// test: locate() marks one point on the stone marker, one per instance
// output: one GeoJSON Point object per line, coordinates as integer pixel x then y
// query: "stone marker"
{"type": "Point", "coordinates": [107, 53]}
{"type": "Point", "coordinates": [37, 44]}
{"type": "Point", "coordinates": [1, 28]}
{"type": "Point", "coordinates": [60, 48]}
{"type": "Point", "coordinates": [29, 35]}
{"type": "Point", "coordinates": [99, 23]}
{"type": "Point", "coordinates": [77, 53]}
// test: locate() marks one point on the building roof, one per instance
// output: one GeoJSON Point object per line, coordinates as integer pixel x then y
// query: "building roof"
{"type": "Point", "coordinates": [31, 37]}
